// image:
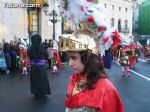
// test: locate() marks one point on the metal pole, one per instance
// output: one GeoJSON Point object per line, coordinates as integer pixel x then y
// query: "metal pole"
{"type": "Point", "coordinates": [62, 26]}
{"type": "Point", "coordinates": [53, 25]}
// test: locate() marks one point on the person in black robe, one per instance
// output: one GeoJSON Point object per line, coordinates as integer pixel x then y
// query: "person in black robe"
{"type": "Point", "coordinates": [38, 75]}
{"type": "Point", "coordinates": [13, 55]}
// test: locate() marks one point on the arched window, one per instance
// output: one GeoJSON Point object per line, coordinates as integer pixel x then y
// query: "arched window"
{"type": "Point", "coordinates": [119, 8]}
{"type": "Point", "coordinates": [105, 5]}
{"type": "Point", "coordinates": [119, 25]}
{"type": "Point", "coordinates": [126, 24]}
{"type": "Point", "coordinates": [112, 22]}
{"type": "Point", "coordinates": [126, 29]}
{"type": "Point", "coordinates": [112, 7]}
{"type": "Point", "coordinates": [126, 9]}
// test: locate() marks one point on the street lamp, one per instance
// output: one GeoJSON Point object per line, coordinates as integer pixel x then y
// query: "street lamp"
{"type": "Point", "coordinates": [52, 14]}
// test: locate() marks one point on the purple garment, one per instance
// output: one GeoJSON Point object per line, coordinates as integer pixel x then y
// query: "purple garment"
{"type": "Point", "coordinates": [6, 54]}
{"type": "Point", "coordinates": [38, 62]}
{"type": "Point", "coordinates": [107, 61]}
{"type": "Point", "coordinates": [13, 53]}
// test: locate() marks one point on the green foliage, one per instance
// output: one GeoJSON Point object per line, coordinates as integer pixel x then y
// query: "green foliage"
{"type": "Point", "coordinates": [95, 1]}
{"type": "Point", "coordinates": [144, 17]}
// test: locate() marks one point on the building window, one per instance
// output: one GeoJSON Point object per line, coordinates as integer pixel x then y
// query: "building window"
{"type": "Point", "coordinates": [119, 25]}
{"type": "Point", "coordinates": [73, 45]}
{"type": "Point", "coordinates": [126, 24]}
{"type": "Point", "coordinates": [105, 5]}
{"type": "Point", "coordinates": [80, 45]}
{"type": "Point", "coordinates": [62, 43]}
{"type": "Point", "coordinates": [119, 8]}
{"type": "Point", "coordinates": [112, 22]}
{"type": "Point", "coordinates": [35, 21]}
{"type": "Point", "coordinates": [112, 7]}
{"type": "Point", "coordinates": [137, 5]}
{"type": "Point", "coordinates": [67, 43]}
{"type": "Point", "coordinates": [126, 9]}
{"type": "Point", "coordinates": [126, 29]}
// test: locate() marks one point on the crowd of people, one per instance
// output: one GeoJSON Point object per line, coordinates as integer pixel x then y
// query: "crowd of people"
{"type": "Point", "coordinates": [15, 53]}
{"type": "Point", "coordinates": [54, 59]}
{"type": "Point", "coordinates": [25, 59]}
{"type": "Point", "coordinates": [89, 76]}
{"type": "Point", "coordinates": [128, 56]}
{"type": "Point", "coordinates": [16, 56]}
{"type": "Point", "coordinates": [17, 59]}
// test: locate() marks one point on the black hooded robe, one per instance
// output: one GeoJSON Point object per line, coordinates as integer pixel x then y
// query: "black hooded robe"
{"type": "Point", "coordinates": [38, 75]}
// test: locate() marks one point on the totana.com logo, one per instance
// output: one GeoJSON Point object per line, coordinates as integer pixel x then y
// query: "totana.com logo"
{"type": "Point", "coordinates": [20, 5]}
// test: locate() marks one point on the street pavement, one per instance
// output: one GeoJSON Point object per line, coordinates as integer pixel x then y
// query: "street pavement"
{"type": "Point", "coordinates": [134, 90]}
{"type": "Point", "coordinates": [15, 93]}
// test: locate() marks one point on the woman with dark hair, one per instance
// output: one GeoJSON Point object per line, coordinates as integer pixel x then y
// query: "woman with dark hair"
{"type": "Point", "coordinates": [89, 89]}
{"type": "Point", "coordinates": [38, 79]}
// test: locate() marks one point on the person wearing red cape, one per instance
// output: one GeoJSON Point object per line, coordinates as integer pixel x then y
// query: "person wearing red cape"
{"type": "Point", "coordinates": [55, 57]}
{"type": "Point", "coordinates": [89, 88]}
{"type": "Point", "coordinates": [124, 62]}
{"type": "Point", "coordinates": [23, 60]}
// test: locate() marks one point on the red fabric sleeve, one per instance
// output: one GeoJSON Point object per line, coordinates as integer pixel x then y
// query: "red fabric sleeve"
{"type": "Point", "coordinates": [112, 103]}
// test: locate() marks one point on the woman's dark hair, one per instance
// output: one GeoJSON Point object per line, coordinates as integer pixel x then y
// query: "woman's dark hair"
{"type": "Point", "coordinates": [36, 40]}
{"type": "Point", "coordinates": [94, 68]}
{"type": "Point", "coordinates": [37, 50]}
{"type": "Point", "coordinates": [6, 46]}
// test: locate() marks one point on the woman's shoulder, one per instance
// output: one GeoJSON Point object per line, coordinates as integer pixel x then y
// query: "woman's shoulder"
{"type": "Point", "coordinates": [105, 84]}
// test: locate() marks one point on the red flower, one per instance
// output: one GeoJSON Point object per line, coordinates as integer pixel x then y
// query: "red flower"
{"type": "Point", "coordinates": [116, 39]}
{"type": "Point", "coordinates": [82, 9]}
{"type": "Point", "coordinates": [89, 0]}
{"type": "Point", "coordinates": [91, 19]}
{"type": "Point", "coordinates": [100, 28]}
{"type": "Point", "coordinates": [105, 40]}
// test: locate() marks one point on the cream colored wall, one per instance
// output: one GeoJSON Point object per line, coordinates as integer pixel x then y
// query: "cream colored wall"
{"type": "Point", "coordinates": [116, 14]}
{"type": "Point", "coordinates": [13, 21]}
